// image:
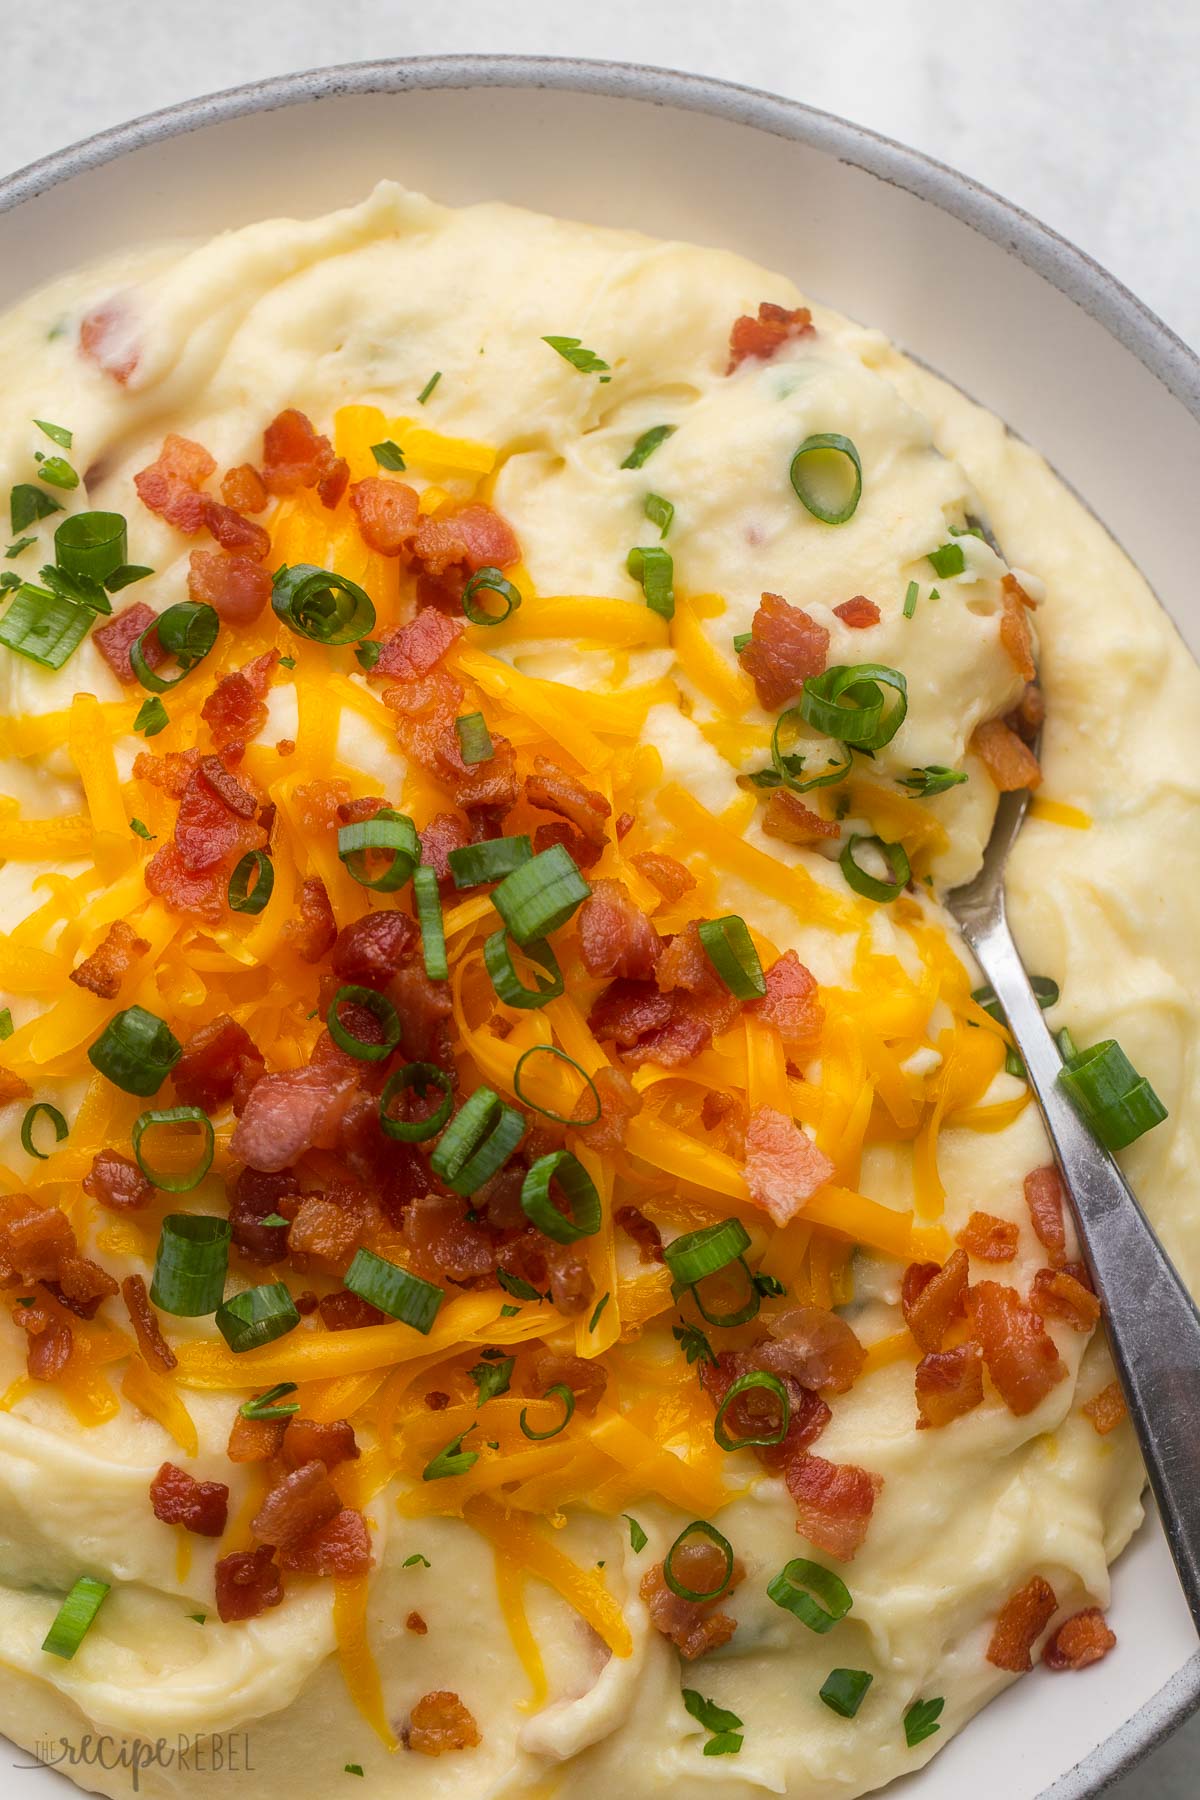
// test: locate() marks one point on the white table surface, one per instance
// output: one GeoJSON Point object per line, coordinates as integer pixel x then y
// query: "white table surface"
{"type": "Point", "coordinates": [1082, 111]}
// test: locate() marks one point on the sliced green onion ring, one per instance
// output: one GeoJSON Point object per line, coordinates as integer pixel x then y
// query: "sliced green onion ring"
{"type": "Point", "coordinates": [414, 1076]}
{"type": "Point", "coordinates": [75, 1617]}
{"type": "Point", "coordinates": [796, 1585]}
{"type": "Point", "coordinates": [755, 1378]}
{"type": "Point", "coordinates": [92, 543]}
{"type": "Point", "coordinates": [44, 627]}
{"type": "Point", "coordinates": [473, 864]}
{"type": "Point", "coordinates": [699, 1253]}
{"type": "Point", "coordinates": [561, 1392]}
{"type": "Point", "coordinates": [730, 949]}
{"type": "Point", "coordinates": [788, 764]}
{"type": "Point", "coordinates": [489, 581]}
{"type": "Point", "coordinates": [273, 1404]}
{"type": "Point", "coordinates": [380, 1008]}
{"type": "Point", "coordinates": [321, 606]}
{"type": "Point", "coordinates": [870, 886]}
{"type": "Point", "coordinates": [429, 918]}
{"type": "Point", "coordinates": [844, 1690]}
{"type": "Point", "coordinates": [812, 460]}
{"type": "Point", "coordinates": [257, 1316]}
{"type": "Point", "coordinates": [541, 895]}
{"type": "Point", "coordinates": [653, 568]}
{"type": "Point", "coordinates": [698, 1528]}
{"type": "Point", "coordinates": [175, 1115]}
{"type": "Point", "coordinates": [576, 1184]}
{"type": "Point", "coordinates": [395, 1291]}
{"type": "Point", "coordinates": [533, 1105]}
{"type": "Point", "coordinates": [189, 1269]}
{"type": "Point", "coordinates": [388, 830]}
{"type": "Point", "coordinates": [738, 1315]}
{"type": "Point", "coordinates": [61, 1128]}
{"type": "Point", "coordinates": [848, 703]}
{"type": "Point", "coordinates": [477, 1143]}
{"type": "Point", "coordinates": [136, 1051]}
{"type": "Point", "coordinates": [509, 987]}
{"type": "Point", "coordinates": [1114, 1100]}
{"type": "Point", "coordinates": [255, 866]}
{"type": "Point", "coordinates": [186, 631]}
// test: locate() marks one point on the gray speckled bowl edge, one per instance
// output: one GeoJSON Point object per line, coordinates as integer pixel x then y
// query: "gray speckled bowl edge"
{"type": "Point", "coordinates": [1057, 261]}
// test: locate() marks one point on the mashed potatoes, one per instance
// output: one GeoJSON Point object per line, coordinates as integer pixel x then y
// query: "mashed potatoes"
{"type": "Point", "coordinates": [516, 1584]}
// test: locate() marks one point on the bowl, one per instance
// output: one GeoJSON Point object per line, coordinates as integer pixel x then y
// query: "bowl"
{"type": "Point", "coordinates": [1020, 320]}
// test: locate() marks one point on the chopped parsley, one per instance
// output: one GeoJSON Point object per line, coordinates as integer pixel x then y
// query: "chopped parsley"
{"type": "Point", "coordinates": [492, 1378]}
{"type": "Point", "coordinates": [453, 1460]}
{"type": "Point", "coordinates": [637, 1537]}
{"type": "Point", "coordinates": [27, 503]}
{"type": "Point", "coordinates": [573, 351]}
{"type": "Point", "coordinates": [932, 779]}
{"type": "Point", "coordinates": [694, 1344]}
{"type": "Point", "coordinates": [921, 1721]}
{"type": "Point", "coordinates": [58, 433]}
{"type": "Point", "coordinates": [152, 717]}
{"type": "Point", "coordinates": [21, 544]}
{"type": "Point", "coordinates": [388, 455]}
{"type": "Point", "coordinates": [725, 1726]}
{"type": "Point", "coordinates": [411, 1562]}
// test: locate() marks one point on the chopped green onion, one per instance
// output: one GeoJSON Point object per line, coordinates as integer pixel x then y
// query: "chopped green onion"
{"type": "Point", "coordinates": [61, 1128]}
{"type": "Point", "coordinates": [411, 1562]}
{"type": "Point", "coordinates": [920, 1721]}
{"type": "Point", "coordinates": [576, 1184]}
{"type": "Point", "coordinates": [75, 1617]}
{"type": "Point", "coordinates": [1067, 1047]}
{"type": "Point", "coordinates": [388, 830]}
{"type": "Point", "coordinates": [94, 544]}
{"type": "Point", "coordinates": [275, 1219]}
{"type": "Point", "coordinates": [730, 950]}
{"type": "Point", "coordinates": [787, 766]}
{"type": "Point", "coordinates": [186, 631]}
{"type": "Point", "coordinates": [477, 1143]}
{"type": "Point", "coordinates": [847, 702]}
{"type": "Point", "coordinates": [366, 654]}
{"type": "Point", "coordinates": [742, 640]}
{"type": "Point", "coordinates": [353, 1769]}
{"type": "Point", "coordinates": [694, 1344]}
{"type": "Point", "coordinates": [647, 444]}
{"type": "Point", "coordinates": [541, 895]}
{"type": "Point", "coordinates": [949, 560]}
{"type": "Point", "coordinates": [6, 1023]}
{"type": "Point", "coordinates": [27, 504]}
{"type": "Point", "coordinates": [56, 470]}
{"type": "Point", "coordinates": [698, 1528]}
{"type": "Point", "coordinates": [44, 627]}
{"type": "Point", "coordinates": [933, 779]}
{"type": "Point", "coordinates": [381, 1010]}
{"type": "Point", "coordinates": [473, 864]}
{"type": "Point", "coordinates": [844, 1690]}
{"type": "Point", "coordinates": [492, 1378]}
{"type": "Point", "coordinates": [243, 898]}
{"type": "Point", "coordinates": [190, 1267]}
{"type": "Point", "coordinates": [257, 1316]}
{"type": "Point", "coordinates": [1113, 1099]}
{"type": "Point", "coordinates": [653, 568]}
{"type": "Point", "coordinates": [699, 1253]}
{"type": "Point", "coordinates": [272, 1404]}
{"type": "Point", "coordinates": [416, 1075]}
{"type": "Point", "coordinates": [453, 1460]}
{"type": "Point", "coordinates": [395, 1291]}
{"type": "Point", "coordinates": [560, 1391]}
{"type": "Point", "coordinates": [573, 351]}
{"type": "Point", "coordinates": [152, 717]}
{"type": "Point", "coordinates": [871, 886]}
{"type": "Point", "coordinates": [140, 829]}
{"type": "Point", "coordinates": [508, 985]}
{"type": "Point", "coordinates": [58, 433]}
{"type": "Point", "coordinates": [16, 549]}
{"type": "Point", "coordinates": [425, 392]}
{"type": "Point", "coordinates": [558, 1118]}
{"type": "Point", "coordinates": [474, 739]}
{"type": "Point", "coordinates": [796, 1585]}
{"type": "Point", "coordinates": [756, 1378]}
{"type": "Point", "coordinates": [175, 1115]}
{"type": "Point", "coordinates": [637, 1537]}
{"type": "Point", "coordinates": [826, 474]}
{"type": "Point", "coordinates": [319, 605]}
{"type": "Point", "coordinates": [910, 599]}
{"type": "Point", "coordinates": [388, 455]}
{"type": "Point", "coordinates": [429, 918]}
{"type": "Point", "coordinates": [660, 512]}
{"type": "Point", "coordinates": [136, 1051]}
{"type": "Point", "coordinates": [598, 1311]}
{"type": "Point", "coordinates": [489, 581]}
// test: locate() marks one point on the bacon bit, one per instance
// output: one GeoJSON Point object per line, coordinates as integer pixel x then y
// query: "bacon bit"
{"type": "Point", "coordinates": [648, 1026]}
{"type": "Point", "coordinates": [1044, 1198]}
{"type": "Point", "coordinates": [171, 772]}
{"type": "Point", "coordinates": [756, 1411]}
{"type": "Point", "coordinates": [299, 1503]}
{"type": "Point", "coordinates": [179, 1499]}
{"type": "Point", "coordinates": [341, 1547]}
{"type": "Point", "coordinates": [988, 1238]}
{"type": "Point", "coordinates": [1058, 1295]}
{"type": "Point", "coordinates": [1020, 1354]}
{"type": "Point", "coordinates": [471, 539]}
{"type": "Point", "coordinates": [156, 1352]}
{"type": "Point", "coordinates": [234, 710]}
{"type": "Point", "coordinates": [296, 456]}
{"type": "Point", "coordinates": [582, 853]}
{"type": "Point", "coordinates": [624, 825]}
{"type": "Point", "coordinates": [418, 647]}
{"type": "Point", "coordinates": [387, 514]}
{"type": "Point", "coordinates": [619, 1102]}
{"type": "Point", "coordinates": [444, 832]}
{"type": "Point", "coordinates": [716, 1108]}
{"type": "Point", "coordinates": [643, 1231]}
{"type": "Point", "coordinates": [117, 1182]}
{"type": "Point", "coordinates": [834, 1503]}
{"type": "Point", "coordinates": [170, 486]}
{"type": "Point", "coordinates": [949, 1384]}
{"type": "Point", "coordinates": [444, 1242]}
{"type": "Point", "coordinates": [1107, 1409]}
{"type": "Point", "coordinates": [34, 1239]}
{"type": "Point", "coordinates": [312, 1440]}
{"type": "Point", "coordinates": [859, 613]}
{"type": "Point", "coordinates": [1015, 634]}
{"type": "Point", "coordinates": [253, 1197]}
{"type": "Point", "coordinates": [314, 929]}
{"type": "Point", "coordinates": [355, 811]}
{"type": "Point", "coordinates": [693, 1626]}
{"type": "Point", "coordinates": [220, 1063]}
{"type": "Point", "coordinates": [228, 789]}
{"type": "Point", "coordinates": [489, 788]}
{"type": "Point", "coordinates": [236, 587]}
{"type": "Point", "coordinates": [762, 336]}
{"type": "Point", "coordinates": [1023, 1618]}
{"type": "Point", "coordinates": [786, 817]}
{"type": "Point", "coordinates": [116, 638]}
{"type": "Point", "coordinates": [416, 1623]}
{"type": "Point", "coordinates": [572, 1289]}
{"type": "Point", "coordinates": [790, 1002]}
{"type": "Point", "coordinates": [51, 1342]}
{"type": "Point", "coordinates": [440, 1722]}
{"type": "Point", "coordinates": [786, 646]}
{"type": "Point", "coordinates": [247, 1583]}
{"type": "Point", "coordinates": [305, 1303]}
{"type": "Point", "coordinates": [326, 1231]}
{"type": "Point", "coordinates": [615, 938]}
{"type": "Point", "coordinates": [181, 890]}
{"type": "Point", "coordinates": [436, 1401]}
{"type": "Point", "coordinates": [255, 1440]}
{"type": "Point", "coordinates": [13, 1087]}
{"type": "Point", "coordinates": [370, 950]}
{"type": "Point", "coordinates": [816, 1347]}
{"type": "Point", "coordinates": [554, 790]}
{"type": "Point", "coordinates": [208, 832]}
{"type": "Point", "coordinates": [671, 879]}
{"type": "Point", "coordinates": [1080, 1641]}
{"type": "Point", "coordinates": [103, 971]}
{"type": "Point", "coordinates": [1010, 763]}
{"type": "Point", "coordinates": [784, 1168]}
{"type": "Point", "coordinates": [345, 1311]}
{"type": "Point", "coordinates": [82, 1285]}
{"type": "Point", "coordinates": [106, 337]}
{"type": "Point", "coordinates": [1029, 714]}
{"type": "Point", "coordinates": [585, 1378]}
{"type": "Point", "coordinates": [933, 1298]}
{"type": "Point", "coordinates": [243, 488]}
{"type": "Point", "coordinates": [234, 532]}
{"type": "Point", "coordinates": [289, 1112]}
{"type": "Point", "coordinates": [423, 1006]}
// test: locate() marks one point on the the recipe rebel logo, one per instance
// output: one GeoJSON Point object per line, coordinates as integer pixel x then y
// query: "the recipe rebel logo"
{"type": "Point", "coordinates": [219, 1754]}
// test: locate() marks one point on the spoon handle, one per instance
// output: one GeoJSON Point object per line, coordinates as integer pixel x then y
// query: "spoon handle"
{"type": "Point", "coordinates": [1153, 1324]}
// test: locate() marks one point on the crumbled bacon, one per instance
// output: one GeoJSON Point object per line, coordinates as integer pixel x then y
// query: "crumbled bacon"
{"type": "Point", "coordinates": [1080, 1641]}
{"type": "Point", "coordinates": [156, 1352]}
{"type": "Point", "coordinates": [220, 1063]}
{"type": "Point", "coordinates": [423, 1006]}
{"type": "Point", "coordinates": [107, 337]}
{"type": "Point", "coordinates": [170, 772]}
{"type": "Point", "coordinates": [117, 1182]}
{"type": "Point", "coordinates": [1044, 1198]}
{"type": "Point", "coordinates": [444, 1242]}
{"type": "Point", "coordinates": [619, 1102]}
{"type": "Point", "coordinates": [171, 485]}
{"type": "Point", "coordinates": [236, 587]}
{"type": "Point", "coordinates": [554, 790]}
{"type": "Point", "coordinates": [243, 488]}
{"type": "Point", "coordinates": [329, 1441]}
{"type": "Point", "coordinates": [345, 1311]}
{"type": "Point", "coordinates": [790, 1002]}
{"type": "Point", "coordinates": [116, 638]}
{"type": "Point", "coordinates": [988, 1238]}
{"type": "Point", "coordinates": [289, 1112]}
{"type": "Point", "coordinates": [296, 456]}
{"type": "Point", "coordinates": [615, 938]}
{"type": "Point", "coordinates": [33, 1238]}
{"type": "Point", "coordinates": [208, 832]}
{"type": "Point", "coordinates": [488, 788]}
{"type": "Point", "coordinates": [649, 1026]}
{"type": "Point", "coordinates": [182, 889]}
{"type": "Point", "coordinates": [787, 818]}
{"type": "Point", "coordinates": [254, 1440]}
{"type": "Point", "coordinates": [82, 1285]}
{"type": "Point", "coordinates": [859, 613]}
{"type": "Point", "coordinates": [418, 647]}
{"type": "Point", "coordinates": [247, 1584]}
{"type": "Point", "coordinates": [932, 1298]}
{"type": "Point", "coordinates": [762, 336]}
{"type": "Point", "coordinates": [253, 1197]}
{"type": "Point", "coordinates": [444, 832]}
{"type": "Point", "coordinates": [370, 950]}
{"type": "Point", "coordinates": [327, 1229]}
{"type": "Point", "coordinates": [1015, 634]}
{"type": "Point", "coordinates": [387, 513]}
{"type": "Point", "coordinates": [643, 1231]}
{"type": "Point", "coordinates": [341, 1547]}
{"type": "Point", "coordinates": [50, 1342]}
{"type": "Point", "coordinates": [103, 971]}
{"type": "Point", "coordinates": [313, 930]}
{"type": "Point", "coordinates": [415, 1623]}
{"type": "Point", "coordinates": [585, 1377]}
{"type": "Point", "coordinates": [1020, 1354]}
{"type": "Point", "coordinates": [236, 533]}
{"type": "Point", "coordinates": [1022, 1620]}
{"type": "Point", "coordinates": [13, 1087]}
{"type": "Point", "coordinates": [1029, 714]}
{"type": "Point", "coordinates": [949, 1383]}
{"type": "Point", "coordinates": [784, 1168]}
{"type": "Point", "coordinates": [1058, 1294]}
{"type": "Point", "coordinates": [1107, 1409]}
{"type": "Point", "coordinates": [234, 711]}
{"type": "Point", "coordinates": [1010, 763]}
{"type": "Point", "coordinates": [671, 879]}
{"type": "Point", "coordinates": [299, 1502]}
{"type": "Point", "coordinates": [834, 1503]}
{"type": "Point", "coordinates": [440, 1722]}
{"type": "Point", "coordinates": [693, 1626]}
{"type": "Point", "coordinates": [817, 1347]}
{"type": "Point", "coordinates": [473, 538]}
{"type": "Point", "coordinates": [786, 646]}
{"type": "Point", "coordinates": [179, 1499]}
{"type": "Point", "coordinates": [572, 1289]}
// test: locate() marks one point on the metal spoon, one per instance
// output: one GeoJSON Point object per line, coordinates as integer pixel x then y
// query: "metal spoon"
{"type": "Point", "coordinates": [1153, 1325]}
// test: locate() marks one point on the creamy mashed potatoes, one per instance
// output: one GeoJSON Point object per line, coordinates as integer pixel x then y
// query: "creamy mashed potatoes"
{"type": "Point", "coordinates": [526, 1593]}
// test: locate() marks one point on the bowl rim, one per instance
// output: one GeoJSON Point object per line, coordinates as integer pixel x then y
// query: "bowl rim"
{"type": "Point", "coordinates": [1072, 271]}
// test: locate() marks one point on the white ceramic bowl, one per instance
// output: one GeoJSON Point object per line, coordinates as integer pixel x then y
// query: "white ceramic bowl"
{"type": "Point", "coordinates": [994, 301]}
